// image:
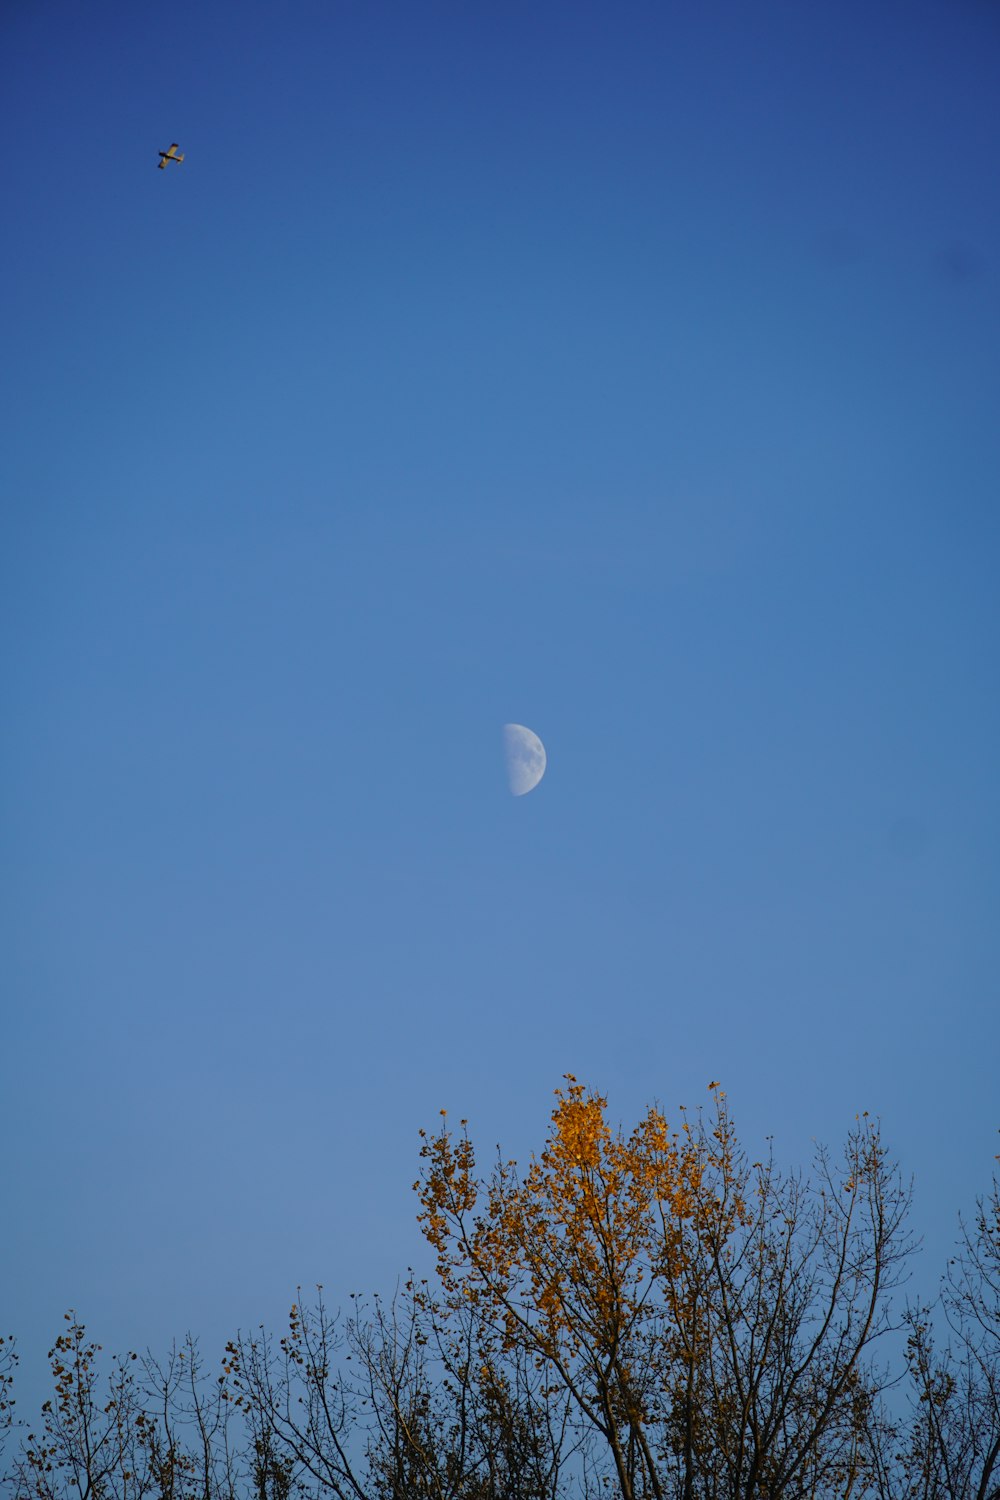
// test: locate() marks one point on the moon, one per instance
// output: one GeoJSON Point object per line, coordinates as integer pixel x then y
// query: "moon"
{"type": "Point", "coordinates": [525, 756]}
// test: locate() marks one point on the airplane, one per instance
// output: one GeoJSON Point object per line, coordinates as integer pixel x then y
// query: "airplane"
{"type": "Point", "coordinates": [170, 155]}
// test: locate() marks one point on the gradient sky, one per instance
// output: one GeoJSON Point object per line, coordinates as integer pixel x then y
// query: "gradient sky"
{"type": "Point", "coordinates": [626, 371]}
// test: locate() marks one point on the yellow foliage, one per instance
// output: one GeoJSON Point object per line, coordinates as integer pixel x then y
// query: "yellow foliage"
{"type": "Point", "coordinates": [575, 1255]}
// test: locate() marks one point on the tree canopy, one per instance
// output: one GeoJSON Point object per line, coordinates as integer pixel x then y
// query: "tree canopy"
{"type": "Point", "coordinates": [649, 1314]}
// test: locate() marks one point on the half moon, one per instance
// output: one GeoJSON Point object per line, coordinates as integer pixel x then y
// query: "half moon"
{"type": "Point", "coordinates": [525, 756]}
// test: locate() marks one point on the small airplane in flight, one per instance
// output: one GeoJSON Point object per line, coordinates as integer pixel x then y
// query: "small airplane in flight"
{"type": "Point", "coordinates": [170, 155]}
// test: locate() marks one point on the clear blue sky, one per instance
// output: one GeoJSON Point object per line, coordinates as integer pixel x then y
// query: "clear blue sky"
{"type": "Point", "coordinates": [628, 371]}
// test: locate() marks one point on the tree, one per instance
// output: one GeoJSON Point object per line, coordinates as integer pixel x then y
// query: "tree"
{"type": "Point", "coordinates": [145, 1431]}
{"type": "Point", "coordinates": [300, 1406]}
{"type": "Point", "coordinates": [87, 1444]}
{"type": "Point", "coordinates": [392, 1403]}
{"type": "Point", "coordinates": [710, 1318]}
{"type": "Point", "coordinates": [649, 1315]}
{"type": "Point", "coordinates": [950, 1449]}
{"type": "Point", "coordinates": [185, 1427]}
{"type": "Point", "coordinates": [8, 1367]}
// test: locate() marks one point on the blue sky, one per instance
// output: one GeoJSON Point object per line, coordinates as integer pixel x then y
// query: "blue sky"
{"type": "Point", "coordinates": [628, 372]}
